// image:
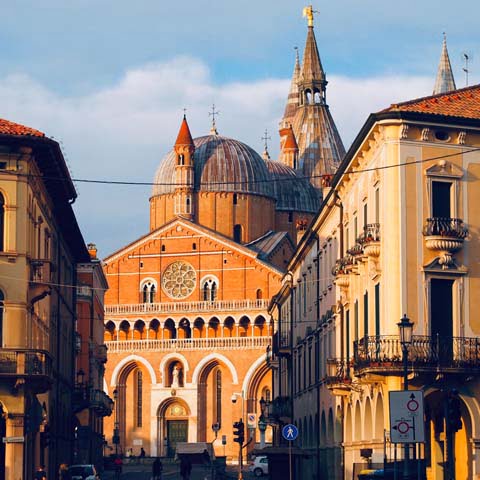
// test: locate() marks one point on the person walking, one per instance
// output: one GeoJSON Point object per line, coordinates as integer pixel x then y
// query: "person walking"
{"type": "Point", "coordinates": [157, 468]}
{"type": "Point", "coordinates": [142, 455]}
{"type": "Point", "coordinates": [63, 473]}
{"type": "Point", "coordinates": [40, 474]}
{"type": "Point", "coordinates": [117, 463]}
{"type": "Point", "coordinates": [185, 468]}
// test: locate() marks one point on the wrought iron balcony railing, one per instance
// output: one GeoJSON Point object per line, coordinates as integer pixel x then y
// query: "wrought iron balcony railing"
{"type": "Point", "coordinates": [383, 354]}
{"type": "Point", "coordinates": [445, 227]}
{"type": "Point", "coordinates": [86, 397]}
{"type": "Point", "coordinates": [371, 233]}
{"type": "Point", "coordinates": [31, 365]}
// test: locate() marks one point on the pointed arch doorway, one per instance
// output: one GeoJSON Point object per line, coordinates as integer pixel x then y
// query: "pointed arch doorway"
{"type": "Point", "coordinates": [172, 425]}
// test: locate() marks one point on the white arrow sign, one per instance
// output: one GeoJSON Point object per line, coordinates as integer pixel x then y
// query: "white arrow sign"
{"type": "Point", "coordinates": [406, 416]}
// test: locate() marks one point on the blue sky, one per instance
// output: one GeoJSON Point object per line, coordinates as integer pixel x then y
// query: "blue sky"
{"type": "Point", "coordinates": [110, 78]}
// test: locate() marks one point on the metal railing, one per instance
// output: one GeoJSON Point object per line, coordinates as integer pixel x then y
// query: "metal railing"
{"type": "Point", "coordinates": [226, 343]}
{"type": "Point", "coordinates": [25, 362]}
{"type": "Point", "coordinates": [439, 352]}
{"type": "Point", "coordinates": [87, 397]}
{"type": "Point", "coordinates": [445, 227]}
{"type": "Point", "coordinates": [185, 307]}
{"type": "Point", "coordinates": [338, 371]}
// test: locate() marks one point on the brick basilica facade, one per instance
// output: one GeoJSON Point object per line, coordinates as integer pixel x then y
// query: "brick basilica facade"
{"type": "Point", "coordinates": [186, 320]}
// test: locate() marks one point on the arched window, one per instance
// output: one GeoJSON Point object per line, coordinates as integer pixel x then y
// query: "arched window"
{"type": "Point", "coordinates": [235, 199]}
{"type": "Point", "coordinates": [139, 398]}
{"type": "Point", "coordinates": [308, 97]}
{"type": "Point", "coordinates": [148, 290]}
{"type": "Point", "coordinates": [217, 397]}
{"type": "Point", "coordinates": [181, 159]}
{"type": "Point", "coordinates": [209, 289]}
{"type": "Point", "coordinates": [2, 222]}
{"type": "Point", "coordinates": [259, 294]}
{"type": "Point", "coordinates": [237, 233]}
{"type": "Point", "coordinates": [2, 298]}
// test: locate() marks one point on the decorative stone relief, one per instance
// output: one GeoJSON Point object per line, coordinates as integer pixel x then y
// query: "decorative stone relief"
{"type": "Point", "coordinates": [179, 280]}
{"type": "Point", "coordinates": [404, 131]}
{"type": "Point", "coordinates": [461, 137]}
{"type": "Point", "coordinates": [425, 134]}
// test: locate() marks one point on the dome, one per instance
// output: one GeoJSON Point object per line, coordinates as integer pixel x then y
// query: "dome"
{"type": "Point", "coordinates": [292, 192]}
{"type": "Point", "coordinates": [221, 165]}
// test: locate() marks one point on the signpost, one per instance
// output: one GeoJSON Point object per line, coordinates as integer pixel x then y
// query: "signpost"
{"type": "Point", "coordinates": [251, 420]}
{"type": "Point", "coordinates": [290, 433]}
{"type": "Point", "coordinates": [13, 439]}
{"type": "Point", "coordinates": [406, 416]}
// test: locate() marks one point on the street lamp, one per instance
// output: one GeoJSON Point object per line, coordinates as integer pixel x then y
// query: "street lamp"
{"type": "Point", "coordinates": [80, 377]}
{"type": "Point", "coordinates": [116, 433]}
{"type": "Point", "coordinates": [262, 423]}
{"type": "Point", "coordinates": [405, 327]}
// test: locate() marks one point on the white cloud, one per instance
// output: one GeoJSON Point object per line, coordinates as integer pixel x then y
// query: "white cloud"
{"type": "Point", "coordinates": [121, 132]}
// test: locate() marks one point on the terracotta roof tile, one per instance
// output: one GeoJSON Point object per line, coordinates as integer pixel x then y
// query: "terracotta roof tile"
{"type": "Point", "coordinates": [463, 103]}
{"type": "Point", "coordinates": [184, 136]}
{"type": "Point", "coordinates": [11, 128]}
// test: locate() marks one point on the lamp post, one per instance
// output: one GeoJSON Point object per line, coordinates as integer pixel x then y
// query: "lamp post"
{"type": "Point", "coordinates": [405, 327]}
{"type": "Point", "coordinates": [116, 436]}
{"type": "Point", "coordinates": [262, 423]}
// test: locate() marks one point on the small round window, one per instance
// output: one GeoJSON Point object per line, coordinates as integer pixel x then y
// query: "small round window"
{"type": "Point", "coordinates": [442, 135]}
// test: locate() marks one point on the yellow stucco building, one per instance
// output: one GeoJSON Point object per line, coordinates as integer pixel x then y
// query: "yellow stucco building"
{"type": "Point", "coordinates": [397, 234]}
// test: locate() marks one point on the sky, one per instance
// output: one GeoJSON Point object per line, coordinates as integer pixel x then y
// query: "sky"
{"type": "Point", "coordinates": [110, 79]}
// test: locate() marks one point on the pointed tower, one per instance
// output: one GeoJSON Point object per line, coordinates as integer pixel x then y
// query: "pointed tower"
{"type": "Point", "coordinates": [289, 148]}
{"type": "Point", "coordinates": [320, 148]}
{"type": "Point", "coordinates": [184, 172]}
{"type": "Point", "coordinates": [293, 100]}
{"type": "Point", "coordinates": [445, 81]}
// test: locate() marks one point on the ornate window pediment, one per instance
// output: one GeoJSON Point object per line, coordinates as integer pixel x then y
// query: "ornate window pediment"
{"type": "Point", "coordinates": [444, 169]}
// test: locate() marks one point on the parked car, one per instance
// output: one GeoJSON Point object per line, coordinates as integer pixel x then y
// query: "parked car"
{"type": "Point", "coordinates": [83, 472]}
{"type": "Point", "coordinates": [259, 466]}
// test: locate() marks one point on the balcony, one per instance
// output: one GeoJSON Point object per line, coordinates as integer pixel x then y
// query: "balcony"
{"type": "Point", "coordinates": [187, 307]}
{"type": "Point", "coordinates": [281, 344]}
{"type": "Point", "coordinates": [26, 366]}
{"type": "Point", "coordinates": [280, 410]}
{"type": "Point", "coordinates": [101, 353]}
{"type": "Point", "coordinates": [179, 344]}
{"type": "Point", "coordinates": [92, 398]}
{"type": "Point", "coordinates": [445, 236]}
{"type": "Point", "coordinates": [338, 379]}
{"type": "Point", "coordinates": [370, 240]}
{"type": "Point", "coordinates": [382, 355]}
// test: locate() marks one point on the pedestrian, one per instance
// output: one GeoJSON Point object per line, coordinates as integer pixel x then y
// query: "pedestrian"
{"type": "Point", "coordinates": [157, 468]}
{"type": "Point", "coordinates": [40, 474]}
{"type": "Point", "coordinates": [117, 464]}
{"type": "Point", "coordinates": [63, 473]}
{"type": "Point", "coordinates": [185, 468]}
{"type": "Point", "coordinates": [142, 455]}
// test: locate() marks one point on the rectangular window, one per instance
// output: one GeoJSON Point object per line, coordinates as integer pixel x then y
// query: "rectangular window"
{"type": "Point", "coordinates": [310, 365]}
{"type": "Point", "coordinates": [365, 215]}
{"type": "Point", "coordinates": [355, 313]}
{"type": "Point", "coordinates": [355, 230]}
{"type": "Point", "coordinates": [347, 337]}
{"type": "Point", "coordinates": [441, 199]}
{"type": "Point", "coordinates": [377, 309]}
{"type": "Point", "coordinates": [139, 397]}
{"type": "Point", "coordinates": [365, 314]}
{"type": "Point", "coordinates": [377, 205]}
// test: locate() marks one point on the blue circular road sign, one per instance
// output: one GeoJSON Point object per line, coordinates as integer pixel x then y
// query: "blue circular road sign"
{"type": "Point", "coordinates": [290, 432]}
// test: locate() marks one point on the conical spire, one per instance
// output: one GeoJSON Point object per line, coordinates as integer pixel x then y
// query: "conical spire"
{"type": "Point", "coordinates": [312, 69]}
{"type": "Point", "coordinates": [445, 81]}
{"type": "Point", "coordinates": [293, 100]}
{"type": "Point", "coordinates": [184, 136]}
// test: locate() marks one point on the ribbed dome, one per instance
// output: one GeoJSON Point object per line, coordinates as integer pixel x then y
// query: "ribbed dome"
{"type": "Point", "coordinates": [221, 165]}
{"type": "Point", "coordinates": [292, 192]}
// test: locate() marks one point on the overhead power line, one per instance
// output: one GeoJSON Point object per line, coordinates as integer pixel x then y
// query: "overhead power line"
{"type": "Point", "coordinates": [239, 182]}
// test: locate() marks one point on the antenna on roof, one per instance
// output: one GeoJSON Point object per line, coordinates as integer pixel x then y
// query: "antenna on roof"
{"type": "Point", "coordinates": [467, 58]}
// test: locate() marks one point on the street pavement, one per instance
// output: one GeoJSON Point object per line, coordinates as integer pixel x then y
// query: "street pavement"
{"type": "Point", "coordinates": [171, 471]}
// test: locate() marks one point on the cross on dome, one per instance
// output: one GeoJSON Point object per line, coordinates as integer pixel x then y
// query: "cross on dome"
{"type": "Point", "coordinates": [212, 114]}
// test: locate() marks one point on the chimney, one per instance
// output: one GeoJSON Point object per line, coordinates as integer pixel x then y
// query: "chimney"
{"type": "Point", "coordinates": [92, 250]}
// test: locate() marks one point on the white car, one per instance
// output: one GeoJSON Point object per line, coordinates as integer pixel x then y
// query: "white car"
{"type": "Point", "coordinates": [259, 466]}
{"type": "Point", "coordinates": [83, 472]}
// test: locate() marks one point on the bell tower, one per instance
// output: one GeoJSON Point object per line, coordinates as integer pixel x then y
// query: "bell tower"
{"type": "Point", "coordinates": [184, 149]}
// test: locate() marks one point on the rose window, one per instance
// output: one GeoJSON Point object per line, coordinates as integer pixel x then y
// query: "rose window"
{"type": "Point", "coordinates": [179, 280]}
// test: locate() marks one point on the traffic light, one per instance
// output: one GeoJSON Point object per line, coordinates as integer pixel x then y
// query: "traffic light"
{"type": "Point", "coordinates": [454, 415]}
{"type": "Point", "coordinates": [239, 432]}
